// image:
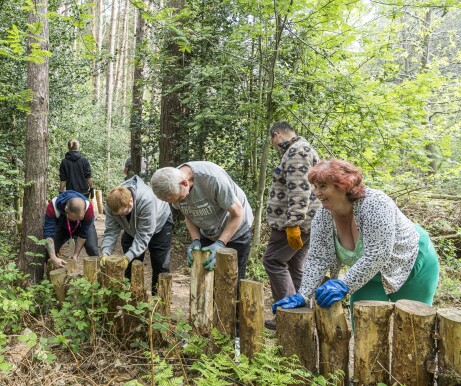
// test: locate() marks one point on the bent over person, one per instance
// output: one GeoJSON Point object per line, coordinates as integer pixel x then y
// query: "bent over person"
{"type": "Point", "coordinates": [387, 256]}
{"type": "Point", "coordinates": [146, 222]}
{"type": "Point", "coordinates": [290, 209]}
{"type": "Point", "coordinates": [216, 210]}
{"type": "Point", "coordinates": [70, 215]}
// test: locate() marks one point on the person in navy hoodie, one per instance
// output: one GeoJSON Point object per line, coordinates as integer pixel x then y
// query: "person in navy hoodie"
{"type": "Point", "coordinates": [70, 215]}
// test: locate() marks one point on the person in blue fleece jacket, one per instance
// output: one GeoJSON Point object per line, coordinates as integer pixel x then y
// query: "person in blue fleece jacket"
{"type": "Point", "coordinates": [69, 215]}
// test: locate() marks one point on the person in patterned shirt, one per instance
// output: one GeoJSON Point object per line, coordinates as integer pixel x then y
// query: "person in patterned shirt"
{"type": "Point", "coordinates": [389, 257]}
{"type": "Point", "coordinates": [290, 209]}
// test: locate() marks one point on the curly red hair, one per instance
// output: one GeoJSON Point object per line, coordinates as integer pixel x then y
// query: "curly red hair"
{"type": "Point", "coordinates": [344, 175]}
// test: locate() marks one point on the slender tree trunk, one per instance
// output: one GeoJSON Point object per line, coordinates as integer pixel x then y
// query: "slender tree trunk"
{"type": "Point", "coordinates": [122, 52]}
{"type": "Point", "coordinates": [110, 83]}
{"type": "Point", "coordinates": [127, 59]}
{"type": "Point", "coordinates": [136, 106]}
{"type": "Point", "coordinates": [97, 31]}
{"type": "Point", "coordinates": [37, 135]}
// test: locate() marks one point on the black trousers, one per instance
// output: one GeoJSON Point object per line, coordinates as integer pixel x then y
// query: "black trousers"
{"type": "Point", "coordinates": [61, 236]}
{"type": "Point", "coordinates": [159, 248]}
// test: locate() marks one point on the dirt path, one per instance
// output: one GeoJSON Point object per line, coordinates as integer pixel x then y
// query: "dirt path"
{"type": "Point", "coordinates": [178, 266]}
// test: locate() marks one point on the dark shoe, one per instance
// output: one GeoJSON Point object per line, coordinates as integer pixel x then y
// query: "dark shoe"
{"type": "Point", "coordinates": [270, 324]}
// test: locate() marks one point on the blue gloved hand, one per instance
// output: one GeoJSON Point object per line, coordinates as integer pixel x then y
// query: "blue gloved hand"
{"type": "Point", "coordinates": [193, 246]}
{"type": "Point", "coordinates": [211, 261]}
{"type": "Point", "coordinates": [293, 301]}
{"type": "Point", "coordinates": [330, 292]}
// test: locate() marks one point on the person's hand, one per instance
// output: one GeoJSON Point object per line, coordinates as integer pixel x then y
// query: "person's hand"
{"type": "Point", "coordinates": [193, 246]}
{"type": "Point", "coordinates": [294, 237]}
{"type": "Point", "coordinates": [288, 302]}
{"type": "Point", "coordinates": [74, 257]}
{"type": "Point", "coordinates": [91, 195]}
{"type": "Point", "coordinates": [58, 263]}
{"type": "Point", "coordinates": [211, 261]}
{"type": "Point", "coordinates": [330, 292]}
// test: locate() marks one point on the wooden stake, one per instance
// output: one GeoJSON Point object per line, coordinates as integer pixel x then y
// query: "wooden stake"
{"type": "Point", "coordinates": [449, 321]}
{"type": "Point", "coordinates": [137, 280]}
{"type": "Point", "coordinates": [225, 291]}
{"type": "Point", "coordinates": [94, 202]}
{"type": "Point", "coordinates": [90, 268]}
{"type": "Point", "coordinates": [71, 266]}
{"type": "Point", "coordinates": [371, 341]}
{"type": "Point", "coordinates": [251, 317]}
{"type": "Point", "coordinates": [412, 343]}
{"type": "Point", "coordinates": [98, 195]}
{"type": "Point", "coordinates": [58, 279]}
{"type": "Point", "coordinates": [334, 338]}
{"type": "Point", "coordinates": [165, 281]}
{"type": "Point", "coordinates": [296, 334]}
{"type": "Point", "coordinates": [201, 295]}
{"type": "Point", "coordinates": [114, 272]}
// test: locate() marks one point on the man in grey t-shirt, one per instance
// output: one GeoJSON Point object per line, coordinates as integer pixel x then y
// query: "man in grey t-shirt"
{"type": "Point", "coordinates": [216, 210]}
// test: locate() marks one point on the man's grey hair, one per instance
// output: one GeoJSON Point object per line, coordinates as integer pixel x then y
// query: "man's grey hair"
{"type": "Point", "coordinates": [166, 182]}
{"type": "Point", "coordinates": [281, 126]}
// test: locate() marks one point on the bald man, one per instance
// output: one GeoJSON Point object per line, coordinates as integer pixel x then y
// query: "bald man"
{"type": "Point", "coordinates": [70, 215]}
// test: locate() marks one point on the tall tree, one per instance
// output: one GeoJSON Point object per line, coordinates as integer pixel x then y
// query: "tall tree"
{"type": "Point", "coordinates": [136, 121]}
{"type": "Point", "coordinates": [31, 254]}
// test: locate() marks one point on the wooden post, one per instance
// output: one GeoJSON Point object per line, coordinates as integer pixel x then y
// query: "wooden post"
{"type": "Point", "coordinates": [90, 268]}
{"type": "Point", "coordinates": [137, 280]}
{"type": "Point", "coordinates": [225, 291]}
{"type": "Point", "coordinates": [98, 195]}
{"type": "Point", "coordinates": [251, 317]}
{"type": "Point", "coordinates": [296, 334]}
{"type": "Point", "coordinates": [334, 338]}
{"type": "Point", "coordinates": [58, 279]}
{"type": "Point", "coordinates": [449, 322]}
{"type": "Point", "coordinates": [201, 295]}
{"type": "Point", "coordinates": [372, 321]}
{"type": "Point", "coordinates": [412, 343]}
{"type": "Point", "coordinates": [165, 281]}
{"type": "Point", "coordinates": [71, 266]}
{"type": "Point", "coordinates": [114, 272]}
{"type": "Point", "coordinates": [94, 202]}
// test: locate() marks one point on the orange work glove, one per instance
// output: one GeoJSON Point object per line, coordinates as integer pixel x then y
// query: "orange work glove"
{"type": "Point", "coordinates": [294, 237]}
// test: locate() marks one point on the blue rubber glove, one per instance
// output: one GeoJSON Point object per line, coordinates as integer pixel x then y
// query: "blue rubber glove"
{"type": "Point", "coordinates": [330, 292]}
{"type": "Point", "coordinates": [211, 261]}
{"type": "Point", "coordinates": [193, 246]}
{"type": "Point", "coordinates": [293, 301]}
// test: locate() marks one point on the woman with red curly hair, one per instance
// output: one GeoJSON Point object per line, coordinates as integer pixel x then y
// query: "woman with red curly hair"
{"type": "Point", "coordinates": [389, 257]}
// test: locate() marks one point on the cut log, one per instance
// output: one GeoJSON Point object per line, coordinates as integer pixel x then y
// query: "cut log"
{"type": "Point", "coordinates": [94, 202]}
{"type": "Point", "coordinates": [137, 280]}
{"type": "Point", "coordinates": [251, 317]}
{"type": "Point", "coordinates": [371, 342]}
{"type": "Point", "coordinates": [114, 272]}
{"type": "Point", "coordinates": [412, 343]}
{"type": "Point", "coordinates": [98, 195]}
{"type": "Point", "coordinates": [296, 334]}
{"type": "Point", "coordinates": [334, 336]}
{"type": "Point", "coordinates": [58, 280]}
{"type": "Point", "coordinates": [71, 266]}
{"type": "Point", "coordinates": [225, 291]}
{"type": "Point", "coordinates": [201, 295]}
{"type": "Point", "coordinates": [449, 322]}
{"type": "Point", "coordinates": [90, 268]}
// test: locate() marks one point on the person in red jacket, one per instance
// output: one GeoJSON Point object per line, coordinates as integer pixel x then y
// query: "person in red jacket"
{"type": "Point", "coordinates": [69, 215]}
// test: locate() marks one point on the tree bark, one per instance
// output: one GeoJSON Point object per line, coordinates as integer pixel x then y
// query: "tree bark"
{"type": "Point", "coordinates": [97, 33]}
{"type": "Point", "coordinates": [449, 321]}
{"type": "Point", "coordinates": [30, 258]}
{"type": "Point", "coordinates": [136, 106]}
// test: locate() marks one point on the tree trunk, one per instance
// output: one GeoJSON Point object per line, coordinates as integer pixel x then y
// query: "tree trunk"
{"type": "Point", "coordinates": [97, 33]}
{"type": "Point", "coordinates": [110, 84]}
{"type": "Point", "coordinates": [30, 258]}
{"type": "Point", "coordinates": [136, 106]}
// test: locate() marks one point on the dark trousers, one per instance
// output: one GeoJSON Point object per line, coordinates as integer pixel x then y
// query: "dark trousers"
{"type": "Point", "coordinates": [241, 245]}
{"type": "Point", "coordinates": [159, 248]}
{"type": "Point", "coordinates": [283, 264]}
{"type": "Point", "coordinates": [61, 236]}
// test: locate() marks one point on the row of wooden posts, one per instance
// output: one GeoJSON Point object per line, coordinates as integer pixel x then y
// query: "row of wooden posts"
{"type": "Point", "coordinates": [403, 343]}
